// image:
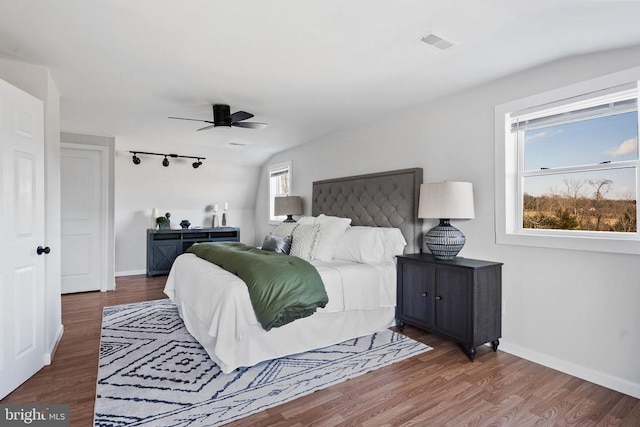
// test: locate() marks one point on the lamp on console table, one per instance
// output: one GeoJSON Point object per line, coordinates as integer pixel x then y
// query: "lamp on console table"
{"type": "Point", "coordinates": [288, 205]}
{"type": "Point", "coordinates": [445, 201]}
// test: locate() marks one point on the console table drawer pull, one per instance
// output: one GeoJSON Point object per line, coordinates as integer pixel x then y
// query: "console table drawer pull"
{"type": "Point", "coordinates": [424, 294]}
{"type": "Point", "coordinates": [438, 297]}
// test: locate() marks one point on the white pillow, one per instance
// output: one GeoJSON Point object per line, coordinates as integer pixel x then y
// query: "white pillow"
{"type": "Point", "coordinates": [304, 241]}
{"type": "Point", "coordinates": [361, 244]}
{"type": "Point", "coordinates": [393, 242]}
{"type": "Point", "coordinates": [372, 245]}
{"type": "Point", "coordinates": [331, 230]}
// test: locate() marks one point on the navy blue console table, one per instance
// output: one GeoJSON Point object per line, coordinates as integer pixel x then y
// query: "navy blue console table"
{"type": "Point", "coordinates": [164, 246]}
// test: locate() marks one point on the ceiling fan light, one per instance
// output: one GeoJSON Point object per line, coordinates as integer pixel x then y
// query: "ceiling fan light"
{"type": "Point", "coordinates": [223, 118]}
{"type": "Point", "coordinates": [165, 162]}
{"type": "Point", "coordinates": [136, 159]}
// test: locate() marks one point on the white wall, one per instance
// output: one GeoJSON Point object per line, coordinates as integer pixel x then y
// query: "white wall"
{"type": "Point", "coordinates": [37, 81]}
{"type": "Point", "coordinates": [576, 311]}
{"type": "Point", "coordinates": [180, 189]}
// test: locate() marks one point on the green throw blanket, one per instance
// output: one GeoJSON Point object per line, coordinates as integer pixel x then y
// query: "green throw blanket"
{"type": "Point", "coordinates": [282, 288]}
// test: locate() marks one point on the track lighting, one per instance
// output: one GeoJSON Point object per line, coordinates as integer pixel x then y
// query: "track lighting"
{"type": "Point", "coordinates": [165, 162]}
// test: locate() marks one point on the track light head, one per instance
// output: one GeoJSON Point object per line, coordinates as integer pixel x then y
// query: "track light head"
{"type": "Point", "coordinates": [165, 162]}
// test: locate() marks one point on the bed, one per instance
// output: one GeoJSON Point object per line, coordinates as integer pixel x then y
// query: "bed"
{"type": "Point", "coordinates": [215, 306]}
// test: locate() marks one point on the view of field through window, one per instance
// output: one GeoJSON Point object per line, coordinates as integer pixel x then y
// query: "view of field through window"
{"type": "Point", "coordinates": [581, 175]}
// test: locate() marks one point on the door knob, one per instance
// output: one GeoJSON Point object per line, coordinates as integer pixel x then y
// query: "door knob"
{"type": "Point", "coordinates": [40, 250]}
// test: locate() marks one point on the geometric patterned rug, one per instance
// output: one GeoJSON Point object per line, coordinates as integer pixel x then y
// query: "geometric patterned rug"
{"type": "Point", "coordinates": [152, 372]}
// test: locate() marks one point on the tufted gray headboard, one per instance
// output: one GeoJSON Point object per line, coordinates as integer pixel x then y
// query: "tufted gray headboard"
{"type": "Point", "coordinates": [384, 199]}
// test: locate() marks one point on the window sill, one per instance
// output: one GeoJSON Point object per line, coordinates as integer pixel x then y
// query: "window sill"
{"type": "Point", "coordinates": [594, 244]}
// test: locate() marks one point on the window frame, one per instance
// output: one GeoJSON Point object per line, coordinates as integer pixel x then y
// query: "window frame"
{"type": "Point", "coordinates": [272, 169]}
{"type": "Point", "coordinates": [509, 168]}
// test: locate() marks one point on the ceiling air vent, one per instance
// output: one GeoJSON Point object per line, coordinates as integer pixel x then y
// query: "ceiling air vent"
{"type": "Point", "coordinates": [436, 41]}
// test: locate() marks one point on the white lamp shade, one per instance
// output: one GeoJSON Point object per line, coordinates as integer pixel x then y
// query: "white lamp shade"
{"type": "Point", "coordinates": [287, 205]}
{"type": "Point", "coordinates": [449, 199]}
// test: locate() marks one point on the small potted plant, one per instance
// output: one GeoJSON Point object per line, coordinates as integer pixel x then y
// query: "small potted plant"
{"type": "Point", "coordinates": [163, 221]}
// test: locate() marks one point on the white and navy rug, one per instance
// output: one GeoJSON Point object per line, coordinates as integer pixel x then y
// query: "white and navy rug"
{"type": "Point", "coordinates": [152, 372]}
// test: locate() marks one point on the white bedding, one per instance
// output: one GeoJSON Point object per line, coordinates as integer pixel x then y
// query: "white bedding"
{"type": "Point", "coordinates": [217, 311]}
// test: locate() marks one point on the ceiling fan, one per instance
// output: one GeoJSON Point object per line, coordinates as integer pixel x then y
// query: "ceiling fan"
{"type": "Point", "coordinates": [222, 117]}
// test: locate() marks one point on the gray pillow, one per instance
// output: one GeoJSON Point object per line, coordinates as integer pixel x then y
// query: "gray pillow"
{"type": "Point", "coordinates": [277, 243]}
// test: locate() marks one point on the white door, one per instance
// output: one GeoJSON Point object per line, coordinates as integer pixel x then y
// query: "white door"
{"type": "Point", "coordinates": [82, 213]}
{"type": "Point", "coordinates": [22, 278]}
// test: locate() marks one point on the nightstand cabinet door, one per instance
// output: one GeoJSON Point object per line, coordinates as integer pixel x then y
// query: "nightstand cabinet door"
{"type": "Point", "coordinates": [452, 302]}
{"type": "Point", "coordinates": [416, 296]}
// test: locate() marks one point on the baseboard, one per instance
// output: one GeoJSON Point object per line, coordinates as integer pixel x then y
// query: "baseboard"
{"type": "Point", "coordinates": [614, 383]}
{"type": "Point", "coordinates": [49, 355]}
{"type": "Point", "coordinates": [130, 273]}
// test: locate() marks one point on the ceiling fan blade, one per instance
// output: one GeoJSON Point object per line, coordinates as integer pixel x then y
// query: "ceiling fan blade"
{"type": "Point", "coordinates": [239, 116]}
{"type": "Point", "coordinates": [206, 127]}
{"type": "Point", "coordinates": [195, 120]}
{"type": "Point", "coordinates": [250, 125]}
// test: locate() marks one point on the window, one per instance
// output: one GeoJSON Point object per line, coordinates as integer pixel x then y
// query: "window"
{"type": "Point", "coordinates": [567, 169]}
{"type": "Point", "coordinates": [279, 185]}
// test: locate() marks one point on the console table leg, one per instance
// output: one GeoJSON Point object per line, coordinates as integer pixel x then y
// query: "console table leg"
{"type": "Point", "coordinates": [495, 344]}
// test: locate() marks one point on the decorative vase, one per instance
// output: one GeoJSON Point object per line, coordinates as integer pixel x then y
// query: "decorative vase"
{"type": "Point", "coordinates": [214, 222]}
{"type": "Point", "coordinates": [224, 219]}
{"type": "Point", "coordinates": [185, 223]}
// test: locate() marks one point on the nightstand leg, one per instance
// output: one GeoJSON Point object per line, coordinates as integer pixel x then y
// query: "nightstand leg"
{"type": "Point", "coordinates": [471, 353]}
{"type": "Point", "coordinates": [495, 344]}
{"type": "Point", "coordinates": [400, 325]}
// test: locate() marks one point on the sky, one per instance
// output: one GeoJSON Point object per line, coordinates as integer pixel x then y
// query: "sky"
{"type": "Point", "coordinates": [605, 139]}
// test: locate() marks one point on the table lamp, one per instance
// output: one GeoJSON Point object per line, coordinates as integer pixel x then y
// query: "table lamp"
{"type": "Point", "coordinates": [288, 205]}
{"type": "Point", "coordinates": [445, 201]}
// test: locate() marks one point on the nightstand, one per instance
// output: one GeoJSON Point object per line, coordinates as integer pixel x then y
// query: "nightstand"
{"type": "Point", "coordinates": [459, 299]}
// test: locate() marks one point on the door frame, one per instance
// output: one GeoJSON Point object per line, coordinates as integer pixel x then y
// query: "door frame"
{"type": "Point", "coordinates": [106, 149]}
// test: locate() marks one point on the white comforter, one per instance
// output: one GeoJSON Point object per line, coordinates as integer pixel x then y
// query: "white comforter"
{"type": "Point", "coordinates": [217, 311]}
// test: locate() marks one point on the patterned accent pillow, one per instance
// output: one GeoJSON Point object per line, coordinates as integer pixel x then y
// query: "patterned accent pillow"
{"type": "Point", "coordinates": [305, 238]}
{"type": "Point", "coordinates": [277, 243]}
{"type": "Point", "coordinates": [285, 229]}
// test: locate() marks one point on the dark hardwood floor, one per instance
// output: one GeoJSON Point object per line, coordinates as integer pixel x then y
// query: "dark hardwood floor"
{"type": "Point", "coordinates": [440, 387]}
